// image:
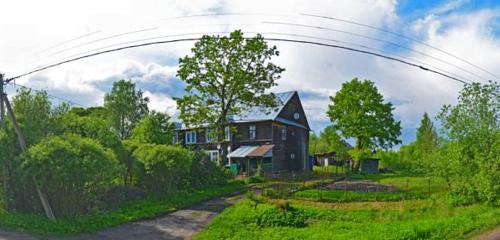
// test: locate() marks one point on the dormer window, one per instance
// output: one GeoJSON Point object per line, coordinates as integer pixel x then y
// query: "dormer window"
{"type": "Point", "coordinates": [252, 132]}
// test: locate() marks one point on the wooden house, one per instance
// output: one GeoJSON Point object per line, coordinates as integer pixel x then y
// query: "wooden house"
{"type": "Point", "coordinates": [274, 139]}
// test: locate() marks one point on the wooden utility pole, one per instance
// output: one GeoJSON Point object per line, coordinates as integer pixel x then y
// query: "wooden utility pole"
{"type": "Point", "coordinates": [4, 102]}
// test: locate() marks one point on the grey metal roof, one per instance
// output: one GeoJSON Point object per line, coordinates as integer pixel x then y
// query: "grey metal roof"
{"type": "Point", "coordinates": [258, 113]}
{"type": "Point", "coordinates": [263, 113]}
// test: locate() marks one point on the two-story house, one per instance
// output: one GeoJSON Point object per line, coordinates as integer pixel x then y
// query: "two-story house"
{"type": "Point", "coordinates": [276, 139]}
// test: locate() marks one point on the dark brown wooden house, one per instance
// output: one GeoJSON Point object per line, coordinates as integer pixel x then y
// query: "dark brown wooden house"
{"type": "Point", "coordinates": [275, 139]}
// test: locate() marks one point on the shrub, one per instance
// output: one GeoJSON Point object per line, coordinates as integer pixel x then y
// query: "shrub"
{"type": "Point", "coordinates": [282, 215]}
{"type": "Point", "coordinates": [71, 171]}
{"type": "Point", "coordinates": [166, 167]}
{"type": "Point", "coordinates": [254, 179]}
{"type": "Point", "coordinates": [206, 173]}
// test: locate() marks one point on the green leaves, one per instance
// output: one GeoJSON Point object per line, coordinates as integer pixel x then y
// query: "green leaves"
{"type": "Point", "coordinates": [358, 111]}
{"type": "Point", "coordinates": [224, 76]}
{"type": "Point", "coordinates": [154, 128]}
{"type": "Point", "coordinates": [126, 107]}
{"type": "Point", "coordinates": [72, 171]}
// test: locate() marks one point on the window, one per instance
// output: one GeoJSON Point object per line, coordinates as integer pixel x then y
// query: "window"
{"type": "Point", "coordinates": [252, 132]}
{"type": "Point", "coordinates": [209, 136]}
{"type": "Point", "coordinates": [283, 134]}
{"type": "Point", "coordinates": [190, 137]}
{"type": "Point", "coordinates": [214, 155]}
{"type": "Point", "coordinates": [227, 133]}
{"type": "Point", "coordinates": [292, 156]}
{"type": "Point", "coordinates": [175, 139]}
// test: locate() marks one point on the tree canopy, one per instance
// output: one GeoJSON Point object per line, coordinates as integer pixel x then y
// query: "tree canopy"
{"type": "Point", "coordinates": [358, 111]}
{"type": "Point", "coordinates": [126, 107]}
{"type": "Point", "coordinates": [154, 128]}
{"type": "Point", "coordinates": [224, 76]}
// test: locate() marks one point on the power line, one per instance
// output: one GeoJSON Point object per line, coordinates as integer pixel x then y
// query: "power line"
{"type": "Point", "coordinates": [49, 95]}
{"type": "Point", "coordinates": [266, 33]}
{"type": "Point", "coordinates": [376, 39]}
{"type": "Point", "coordinates": [350, 22]}
{"type": "Point", "coordinates": [65, 42]}
{"type": "Point", "coordinates": [402, 36]}
{"type": "Point", "coordinates": [269, 39]}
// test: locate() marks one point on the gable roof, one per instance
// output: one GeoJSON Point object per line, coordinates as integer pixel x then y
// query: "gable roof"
{"type": "Point", "coordinates": [264, 113]}
{"type": "Point", "coordinates": [259, 113]}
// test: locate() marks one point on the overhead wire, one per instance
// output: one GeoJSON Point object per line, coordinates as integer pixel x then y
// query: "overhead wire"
{"type": "Point", "coordinates": [379, 40]}
{"type": "Point", "coordinates": [14, 84]}
{"type": "Point", "coordinates": [405, 37]}
{"type": "Point", "coordinates": [268, 39]}
{"type": "Point", "coordinates": [264, 33]}
{"type": "Point", "coordinates": [290, 24]}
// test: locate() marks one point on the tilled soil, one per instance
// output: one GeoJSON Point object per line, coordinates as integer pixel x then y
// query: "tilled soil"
{"type": "Point", "coordinates": [361, 186]}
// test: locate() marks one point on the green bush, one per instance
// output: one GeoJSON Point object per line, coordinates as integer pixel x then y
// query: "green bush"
{"type": "Point", "coordinates": [72, 172]}
{"type": "Point", "coordinates": [206, 173]}
{"type": "Point", "coordinates": [166, 167]}
{"type": "Point", "coordinates": [254, 179]}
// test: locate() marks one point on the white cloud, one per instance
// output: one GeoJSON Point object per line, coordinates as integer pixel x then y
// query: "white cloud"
{"type": "Point", "coordinates": [316, 72]}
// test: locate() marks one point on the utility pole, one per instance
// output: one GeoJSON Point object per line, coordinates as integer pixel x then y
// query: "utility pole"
{"type": "Point", "coordinates": [2, 105]}
{"type": "Point", "coordinates": [4, 102]}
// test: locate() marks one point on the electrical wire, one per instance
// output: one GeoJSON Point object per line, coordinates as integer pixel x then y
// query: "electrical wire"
{"type": "Point", "coordinates": [376, 39]}
{"type": "Point", "coordinates": [405, 37]}
{"type": "Point", "coordinates": [264, 33]}
{"type": "Point", "coordinates": [49, 95]}
{"type": "Point", "coordinates": [268, 39]}
{"type": "Point", "coordinates": [65, 42]}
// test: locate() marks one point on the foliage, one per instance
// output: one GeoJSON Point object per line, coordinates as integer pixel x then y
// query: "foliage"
{"type": "Point", "coordinates": [224, 76]}
{"type": "Point", "coordinates": [427, 138]}
{"type": "Point", "coordinates": [205, 173]}
{"type": "Point", "coordinates": [328, 141]}
{"type": "Point", "coordinates": [125, 212]}
{"type": "Point", "coordinates": [358, 111]}
{"type": "Point", "coordinates": [411, 219]}
{"type": "Point", "coordinates": [254, 179]}
{"type": "Point", "coordinates": [471, 157]}
{"type": "Point", "coordinates": [126, 106]}
{"type": "Point", "coordinates": [154, 128]}
{"type": "Point", "coordinates": [72, 172]}
{"type": "Point", "coordinates": [35, 114]}
{"type": "Point", "coordinates": [166, 167]}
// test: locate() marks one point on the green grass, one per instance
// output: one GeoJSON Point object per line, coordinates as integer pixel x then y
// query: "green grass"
{"type": "Point", "coordinates": [409, 221]}
{"type": "Point", "coordinates": [328, 169]}
{"type": "Point", "coordinates": [148, 208]}
{"type": "Point", "coordinates": [351, 196]}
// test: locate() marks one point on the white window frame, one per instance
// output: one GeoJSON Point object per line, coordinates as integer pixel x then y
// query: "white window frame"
{"type": "Point", "coordinates": [252, 132]}
{"type": "Point", "coordinates": [227, 133]}
{"type": "Point", "coordinates": [283, 134]}
{"type": "Point", "coordinates": [213, 155]}
{"type": "Point", "coordinates": [208, 137]}
{"type": "Point", "coordinates": [190, 137]}
{"type": "Point", "coordinates": [292, 155]}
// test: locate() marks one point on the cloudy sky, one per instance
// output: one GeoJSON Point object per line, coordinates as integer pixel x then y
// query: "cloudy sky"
{"type": "Point", "coordinates": [455, 35]}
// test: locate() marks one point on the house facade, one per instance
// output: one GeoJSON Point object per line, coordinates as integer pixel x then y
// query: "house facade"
{"type": "Point", "coordinates": [273, 139]}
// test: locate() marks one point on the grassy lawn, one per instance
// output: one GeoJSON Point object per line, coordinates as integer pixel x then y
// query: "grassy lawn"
{"type": "Point", "coordinates": [148, 208]}
{"type": "Point", "coordinates": [412, 213]}
{"type": "Point", "coordinates": [304, 221]}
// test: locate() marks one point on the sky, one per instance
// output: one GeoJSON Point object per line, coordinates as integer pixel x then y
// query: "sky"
{"type": "Point", "coordinates": [460, 38]}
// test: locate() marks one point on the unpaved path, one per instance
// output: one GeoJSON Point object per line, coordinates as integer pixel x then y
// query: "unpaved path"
{"type": "Point", "coordinates": [491, 235]}
{"type": "Point", "coordinates": [181, 224]}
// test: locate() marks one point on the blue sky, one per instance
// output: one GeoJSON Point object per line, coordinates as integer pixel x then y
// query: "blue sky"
{"type": "Point", "coordinates": [467, 29]}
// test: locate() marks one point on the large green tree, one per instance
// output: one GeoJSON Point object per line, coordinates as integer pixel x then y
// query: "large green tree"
{"type": "Point", "coordinates": [358, 111]}
{"type": "Point", "coordinates": [126, 107]}
{"type": "Point", "coordinates": [224, 76]}
{"type": "Point", "coordinates": [472, 127]}
{"type": "Point", "coordinates": [155, 128]}
{"type": "Point", "coordinates": [328, 141]}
